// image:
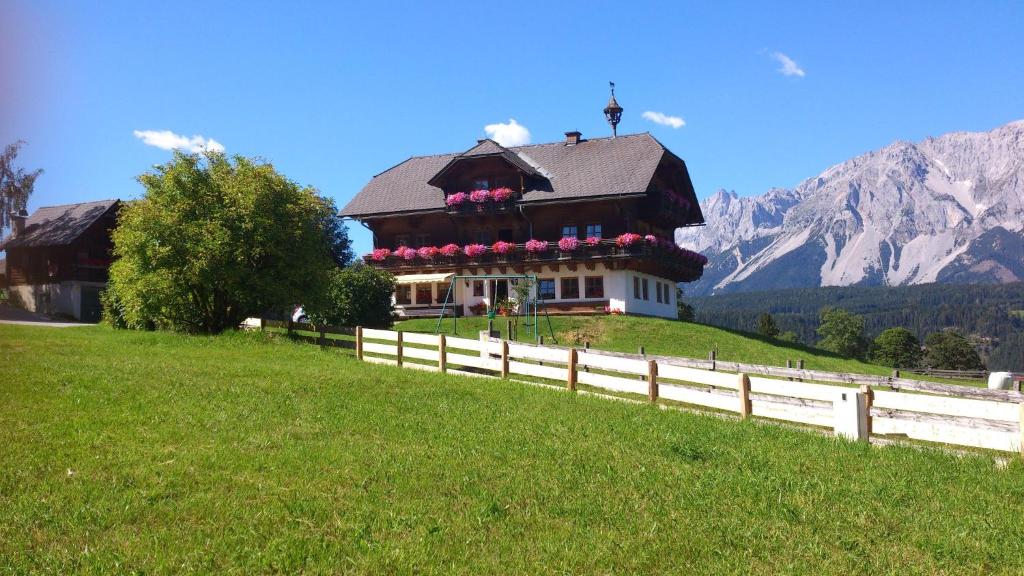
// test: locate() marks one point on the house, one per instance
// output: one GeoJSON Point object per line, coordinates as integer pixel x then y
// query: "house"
{"type": "Point", "coordinates": [57, 258]}
{"type": "Point", "coordinates": [592, 220]}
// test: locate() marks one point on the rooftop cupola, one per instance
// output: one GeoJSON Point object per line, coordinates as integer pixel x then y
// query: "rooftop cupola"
{"type": "Point", "coordinates": [613, 112]}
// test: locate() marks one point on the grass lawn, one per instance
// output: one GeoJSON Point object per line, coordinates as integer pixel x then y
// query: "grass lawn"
{"type": "Point", "coordinates": [147, 452]}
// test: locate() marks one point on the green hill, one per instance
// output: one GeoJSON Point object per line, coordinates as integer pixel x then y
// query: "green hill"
{"type": "Point", "coordinates": [661, 336]}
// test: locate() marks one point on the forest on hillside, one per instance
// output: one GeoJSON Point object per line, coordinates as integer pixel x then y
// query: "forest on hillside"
{"type": "Point", "coordinates": [991, 315]}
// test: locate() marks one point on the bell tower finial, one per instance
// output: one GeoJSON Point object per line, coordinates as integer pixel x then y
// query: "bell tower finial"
{"type": "Point", "coordinates": [613, 112]}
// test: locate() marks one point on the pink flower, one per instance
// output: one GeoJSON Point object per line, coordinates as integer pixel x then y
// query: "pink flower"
{"type": "Point", "coordinates": [501, 194]}
{"type": "Point", "coordinates": [501, 247]}
{"type": "Point", "coordinates": [450, 250]}
{"type": "Point", "coordinates": [427, 252]}
{"type": "Point", "coordinates": [650, 239]}
{"type": "Point", "coordinates": [405, 253]}
{"type": "Point", "coordinates": [456, 199]}
{"type": "Point", "coordinates": [479, 196]}
{"type": "Point", "coordinates": [536, 246]}
{"type": "Point", "coordinates": [474, 250]}
{"type": "Point", "coordinates": [593, 241]}
{"type": "Point", "coordinates": [568, 244]}
{"type": "Point", "coordinates": [379, 254]}
{"type": "Point", "coordinates": [627, 239]}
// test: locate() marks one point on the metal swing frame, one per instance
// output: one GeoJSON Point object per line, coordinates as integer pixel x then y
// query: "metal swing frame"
{"type": "Point", "coordinates": [534, 306]}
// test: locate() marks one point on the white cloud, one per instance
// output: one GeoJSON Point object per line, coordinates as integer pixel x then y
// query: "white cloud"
{"type": "Point", "coordinates": [664, 119]}
{"type": "Point", "coordinates": [787, 67]}
{"type": "Point", "coordinates": [167, 140]}
{"type": "Point", "coordinates": [509, 134]}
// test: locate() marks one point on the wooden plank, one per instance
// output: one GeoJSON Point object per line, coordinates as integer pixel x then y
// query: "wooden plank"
{"type": "Point", "coordinates": [958, 391]}
{"type": "Point", "coordinates": [946, 434]}
{"type": "Point", "coordinates": [420, 338]}
{"type": "Point", "coordinates": [336, 343]}
{"type": "Point", "coordinates": [707, 377]}
{"type": "Point", "coordinates": [795, 389]}
{"type": "Point", "coordinates": [969, 408]}
{"type": "Point", "coordinates": [464, 343]}
{"type": "Point", "coordinates": [613, 363]}
{"type": "Point", "coordinates": [791, 413]}
{"type": "Point", "coordinates": [375, 348]}
{"type": "Point", "coordinates": [538, 353]}
{"type": "Point", "coordinates": [420, 353]}
{"type": "Point", "coordinates": [473, 361]}
{"type": "Point", "coordinates": [550, 372]}
{"type": "Point", "coordinates": [700, 397]}
{"type": "Point", "coordinates": [373, 334]}
{"type": "Point", "coordinates": [418, 366]}
{"type": "Point", "coordinates": [612, 383]}
{"type": "Point", "coordinates": [473, 374]}
{"type": "Point", "coordinates": [377, 360]}
{"type": "Point", "coordinates": [946, 420]}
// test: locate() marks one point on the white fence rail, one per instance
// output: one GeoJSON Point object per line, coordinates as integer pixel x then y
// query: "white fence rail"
{"type": "Point", "coordinates": [856, 413]}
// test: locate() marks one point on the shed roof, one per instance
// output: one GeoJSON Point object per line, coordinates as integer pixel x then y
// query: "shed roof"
{"type": "Point", "coordinates": [58, 225]}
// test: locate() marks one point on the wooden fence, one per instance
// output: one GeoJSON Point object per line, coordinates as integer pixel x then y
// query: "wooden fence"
{"type": "Point", "coordinates": [860, 407]}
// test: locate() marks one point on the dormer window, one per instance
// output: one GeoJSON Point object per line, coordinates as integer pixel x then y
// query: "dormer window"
{"type": "Point", "coordinates": [481, 184]}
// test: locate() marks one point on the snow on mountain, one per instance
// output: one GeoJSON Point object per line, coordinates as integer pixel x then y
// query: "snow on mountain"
{"type": "Point", "coordinates": [948, 209]}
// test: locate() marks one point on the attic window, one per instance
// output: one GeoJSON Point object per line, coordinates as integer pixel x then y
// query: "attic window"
{"type": "Point", "coordinates": [481, 184]}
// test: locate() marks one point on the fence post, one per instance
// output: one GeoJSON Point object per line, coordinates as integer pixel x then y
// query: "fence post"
{"type": "Point", "coordinates": [800, 366]}
{"type": "Point", "coordinates": [1021, 407]}
{"type": "Point", "coordinates": [508, 330]}
{"type": "Point", "coordinates": [711, 357]}
{"type": "Point", "coordinates": [323, 338]}
{"type": "Point", "coordinates": [442, 354]}
{"type": "Point", "coordinates": [848, 415]}
{"type": "Point", "coordinates": [641, 352]}
{"type": "Point", "coordinates": [789, 364]}
{"type": "Point", "coordinates": [869, 399]}
{"type": "Point", "coordinates": [504, 359]}
{"type": "Point", "coordinates": [290, 322]}
{"type": "Point", "coordinates": [263, 324]}
{"type": "Point", "coordinates": [398, 348]}
{"type": "Point", "coordinates": [744, 384]}
{"type": "Point", "coordinates": [573, 359]}
{"type": "Point", "coordinates": [652, 381]}
{"type": "Point", "coordinates": [586, 348]}
{"type": "Point", "coordinates": [359, 342]}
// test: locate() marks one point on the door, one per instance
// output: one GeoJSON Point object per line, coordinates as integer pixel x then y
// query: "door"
{"type": "Point", "coordinates": [92, 310]}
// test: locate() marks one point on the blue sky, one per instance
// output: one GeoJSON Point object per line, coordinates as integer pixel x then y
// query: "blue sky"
{"type": "Point", "coordinates": [333, 93]}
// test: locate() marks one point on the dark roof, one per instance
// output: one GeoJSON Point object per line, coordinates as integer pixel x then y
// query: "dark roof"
{"type": "Point", "coordinates": [59, 225]}
{"type": "Point", "coordinates": [593, 168]}
{"type": "Point", "coordinates": [3, 267]}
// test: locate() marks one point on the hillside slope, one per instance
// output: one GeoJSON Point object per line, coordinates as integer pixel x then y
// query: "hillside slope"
{"type": "Point", "coordinates": [948, 209]}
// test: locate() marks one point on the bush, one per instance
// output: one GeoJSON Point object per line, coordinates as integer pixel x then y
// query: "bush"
{"type": "Point", "coordinates": [842, 333]}
{"type": "Point", "coordinates": [790, 336]}
{"type": "Point", "coordinates": [897, 348]}
{"type": "Point", "coordinates": [949, 350]}
{"type": "Point", "coordinates": [359, 295]}
{"type": "Point", "coordinates": [215, 240]}
{"type": "Point", "coordinates": [766, 326]}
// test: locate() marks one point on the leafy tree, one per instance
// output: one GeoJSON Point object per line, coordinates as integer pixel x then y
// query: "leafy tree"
{"type": "Point", "coordinates": [15, 184]}
{"type": "Point", "coordinates": [215, 240]}
{"type": "Point", "coordinates": [790, 336]}
{"type": "Point", "coordinates": [842, 333]}
{"type": "Point", "coordinates": [359, 295]}
{"type": "Point", "coordinates": [898, 348]}
{"type": "Point", "coordinates": [766, 326]}
{"type": "Point", "coordinates": [336, 234]}
{"type": "Point", "coordinates": [948, 350]}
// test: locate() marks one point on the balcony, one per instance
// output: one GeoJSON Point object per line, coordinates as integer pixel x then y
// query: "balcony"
{"type": "Point", "coordinates": [660, 258]}
{"type": "Point", "coordinates": [489, 208]}
{"type": "Point", "coordinates": [668, 209]}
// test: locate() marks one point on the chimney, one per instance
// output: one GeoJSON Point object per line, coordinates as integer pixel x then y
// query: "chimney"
{"type": "Point", "coordinates": [573, 138]}
{"type": "Point", "coordinates": [18, 222]}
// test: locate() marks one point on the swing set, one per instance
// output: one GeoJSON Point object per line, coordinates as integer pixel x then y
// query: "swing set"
{"type": "Point", "coordinates": [534, 307]}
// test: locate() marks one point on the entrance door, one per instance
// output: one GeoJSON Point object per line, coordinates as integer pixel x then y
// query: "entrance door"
{"type": "Point", "coordinates": [500, 290]}
{"type": "Point", "coordinates": [92, 310]}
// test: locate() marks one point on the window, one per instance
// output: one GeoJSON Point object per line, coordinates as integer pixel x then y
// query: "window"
{"type": "Point", "coordinates": [422, 240]}
{"type": "Point", "coordinates": [478, 287]}
{"type": "Point", "coordinates": [401, 240]}
{"type": "Point", "coordinates": [593, 230]}
{"type": "Point", "coordinates": [657, 289]}
{"type": "Point", "coordinates": [645, 286]}
{"type": "Point", "coordinates": [636, 287]}
{"type": "Point", "coordinates": [594, 286]}
{"type": "Point", "coordinates": [403, 294]}
{"type": "Point", "coordinates": [441, 292]}
{"type": "Point", "coordinates": [569, 231]}
{"type": "Point", "coordinates": [481, 184]}
{"type": "Point", "coordinates": [570, 288]}
{"type": "Point", "coordinates": [483, 237]}
{"type": "Point", "coordinates": [506, 235]}
{"type": "Point", "coordinates": [546, 288]}
{"type": "Point", "coordinates": [423, 295]}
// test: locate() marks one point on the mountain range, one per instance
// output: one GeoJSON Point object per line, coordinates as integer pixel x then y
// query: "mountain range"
{"type": "Point", "coordinates": [947, 209]}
